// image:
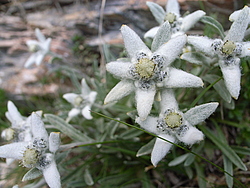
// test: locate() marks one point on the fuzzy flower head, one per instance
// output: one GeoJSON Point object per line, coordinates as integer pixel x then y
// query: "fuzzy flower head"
{"type": "Point", "coordinates": [179, 25]}
{"type": "Point", "coordinates": [148, 70]}
{"type": "Point", "coordinates": [174, 125]}
{"type": "Point", "coordinates": [229, 50]}
{"type": "Point", "coordinates": [39, 49]}
{"type": "Point", "coordinates": [81, 102]}
{"type": "Point", "coordinates": [37, 153]}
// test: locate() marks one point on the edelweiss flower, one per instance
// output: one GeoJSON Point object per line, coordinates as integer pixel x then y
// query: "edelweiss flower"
{"type": "Point", "coordinates": [82, 102]}
{"type": "Point", "coordinates": [147, 71]}
{"type": "Point", "coordinates": [178, 24]}
{"type": "Point", "coordinates": [39, 48]}
{"type": "Point", "coordinates": [229, 51]}
{"type": "Point", "coordinates": [38, 153]}
{"type": "Point", "coordinates": [174, 125]}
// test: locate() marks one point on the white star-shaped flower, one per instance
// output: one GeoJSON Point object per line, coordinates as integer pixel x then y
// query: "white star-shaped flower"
{"type": "Point", "coordinates": [82, 103]}
{"type": "Point", "coordinates": [174, 125]}
{"type": "Point", "coordinates": [39, 48]}
{"type": "Point", "coordinates": [146, 71]}
{"type": "Point", "coordinates": [229, 51]}
{"type": "Point", "coordinates": [37, 153]}
{"type": "Point", "coordinates": [178, 24]}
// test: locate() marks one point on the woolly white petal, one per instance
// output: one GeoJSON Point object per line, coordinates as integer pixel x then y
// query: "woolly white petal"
{"type": "Point", "coordinates": [161, 148]}
{"type": "Point", "coordinates": [86, 112]}
{"type": "Point", "coordinates": [232, 77]}
{"type": "Point", "coordinates": [52, 176]}
{"type": "Point", "coordinates": [122, 89]}
{"type": "Point", "coordinates": [70, 97]}
{"type": "Point", "coordinates": [133, 42]}
{"type": "Point", "coordinates": [202, 44]}
{"type": "Point", "coordinates": [32, 42]}
{"type": "Point", "coordinates": [74, 112]}
{"type": "Point", "coordinates": [14, 150]}
{"type": "Point", "coordinates": [173, 7]}
{"type": "Point", "coordinates": [199, 113]}
{"type": "Point", "coordinates": [191, 136]}
{"type": "Point", "coordinates": [172, 48]}
{"type": "Point", "coordinates": [245, 49]}
{"type": "Point", "coordinates": [237, 30]}
{"type": "Point", "coordinates": [39, 58]}
{"type": "Point", "coordinates": [31, 60]}
{"type": "Point", "coordinates": [168, 100]}
{"type": "Point", "coordinates": [14, 115]}
{"type": "Point", "coordinates": [144, 101]}
{"type": "Point", "coordinates": [37, 127]}
{"type": "Point", "coordinates": [189, 20]}
{"type": "Point", "coordinates": [151, 33]}
{"type": "Point", "coordinates": [119, 69]}
{"type": "Point", "coordinates": [92, 97]}
{"type": "Point", "coordinates": [148, 124]}
{"type": "Point", "coordinates": [46, 45]}
{"type": "Point", "coordinates": [39, 35]}
{"type": "Point", "coordinates": [54, 141]}
{"type": "Point", "coordinates": [85, 88]}
{"type": "Point", "coordinates": [178, 79]}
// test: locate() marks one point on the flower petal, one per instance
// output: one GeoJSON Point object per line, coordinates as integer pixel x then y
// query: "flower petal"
{"type": "Point", "coordinates": [237, 30]}
{"type": "Point", "coordinates": [202, 44]}
{"type": "Point", "coordinates": [151, 33]}
{"type": "Point", "coordinates": [144, 101]}
{"type": "Point", "coordinates": [74, 112]}
{"type": "Point", "coordinates": [157, 11]}
{"type": "Point", "coordinates": [14, 150]}
{"type": "Point", "coordinates": [92, 97]}
{"type": "Point", "coordinates": [37, 127]}
{"type": "Point", "coordinates": [161, 148]}
{"type": "Point", "coordinates": [133, 42]}
{"type": "Point", "coordinates": [119, 69]}
{"type": "Point", "coordinates": [31, 60]}
{"type": "Point", "coordinates": [162, 36]}
{"type": "Point", "coordinates": [39, 35]}
{"type": "Point", "coordinates": [168, 100]}
{"type": "Point", "coordinates": [189, 20]}
{"type": "Point", "coordinates": [85, 88]}
{"type": "Point", "coordinates": [51, 175]}
{"type": "Point", "coordinates": [245, 49]}
{"type": "Point", "coordinates": [148, 124]}
{"type": "Point", "coordinates": [54, 141]}
{"type": "Point", "coordinates": [122, 89]}
{"type": "Point", "coordinates": [86, 112]}
{"type": "Point", "coordinates": [181, 79]}
{"type": "Point", "coordinates": [13, 114]}
{"type": "Point", "coordinates": [172, 48]}
{"type": "Point", "coordinates": [39, 58]}
{"type": "Point", "coordinates": [70, 97]}
{"type": "Point", "coordinates": [190, 136]}
{"type": "Point", "coordinates": [232, 77]}
{"type": "Point", "coordinates": [199, 113]}
{"type": "Point", "coordinates": [173, 7]}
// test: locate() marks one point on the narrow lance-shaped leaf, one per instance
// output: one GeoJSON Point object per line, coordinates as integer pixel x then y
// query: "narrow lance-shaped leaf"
{"type": "Point", "coordinates": [214, 23]}
{"type": "Point", "coordinates": [32, 174]}
{"type": "Point", "coordinates": [66, 128]}
{"type": "Point", "coordinates": [146, 149]}
{"type": "Point", "coordinates": [228, 167]}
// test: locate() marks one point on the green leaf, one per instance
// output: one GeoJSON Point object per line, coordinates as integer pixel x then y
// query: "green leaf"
{"type": "Point", "coordinates": [67, 129]}
{"type": "Point", "coordinates": [130, 133]}
{"type": "Point", "coordinates": [88, 178]}
{"type": "Point", "coordinates": [228, 167]}
{"type": "Point", "coordinates": [157, 11]}
{"type": "Point", "coordinates": [201, 177]}
{"type": "Point", "coordinates": [178, 160]}
{"type": "Point", "coordinates": [32, 174]}
{"type": "Point", "coordinates": [225, 148]}
{"type": "Point", "coordinates": [241, 150]}
{"type": "Point", "coordinates": [214, 23]}
{"type": "Point", "coordinates": [220, 86]}
{"type": "Point", "coordinates": [190, 159]}
{"type": "Point", "coordinates": [146, 149]}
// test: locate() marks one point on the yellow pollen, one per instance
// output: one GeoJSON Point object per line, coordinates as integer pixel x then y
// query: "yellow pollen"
{"type": "Point", "coordinates": [78, 100]}
{"type": "Point", "coordinates": [30, 157]}
{"type": "Point", "coordinates": [145, 68]}
{"type": "Point", "coordinates": [228, 47]}
{"type": "Point", "coordinates": [173, 120]}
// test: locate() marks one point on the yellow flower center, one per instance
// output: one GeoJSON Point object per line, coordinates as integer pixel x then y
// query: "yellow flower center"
{"type": "Point", "coordinates": [33, 48]}
{"type": "Point", "coordinates": [173, 120]}
{"type": "Point", "coordinates": [8, 134]}
{"type": "Point", "coordinates": [78, 101]}
{"type": "Point", "coordinates": [228, 47]}
{"type": "Point", "coordinates": [30, 157]}
{"type": "Point", "coordinates": [170, 17]}
{"type": "Point", "coordinates": [145, 68]}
